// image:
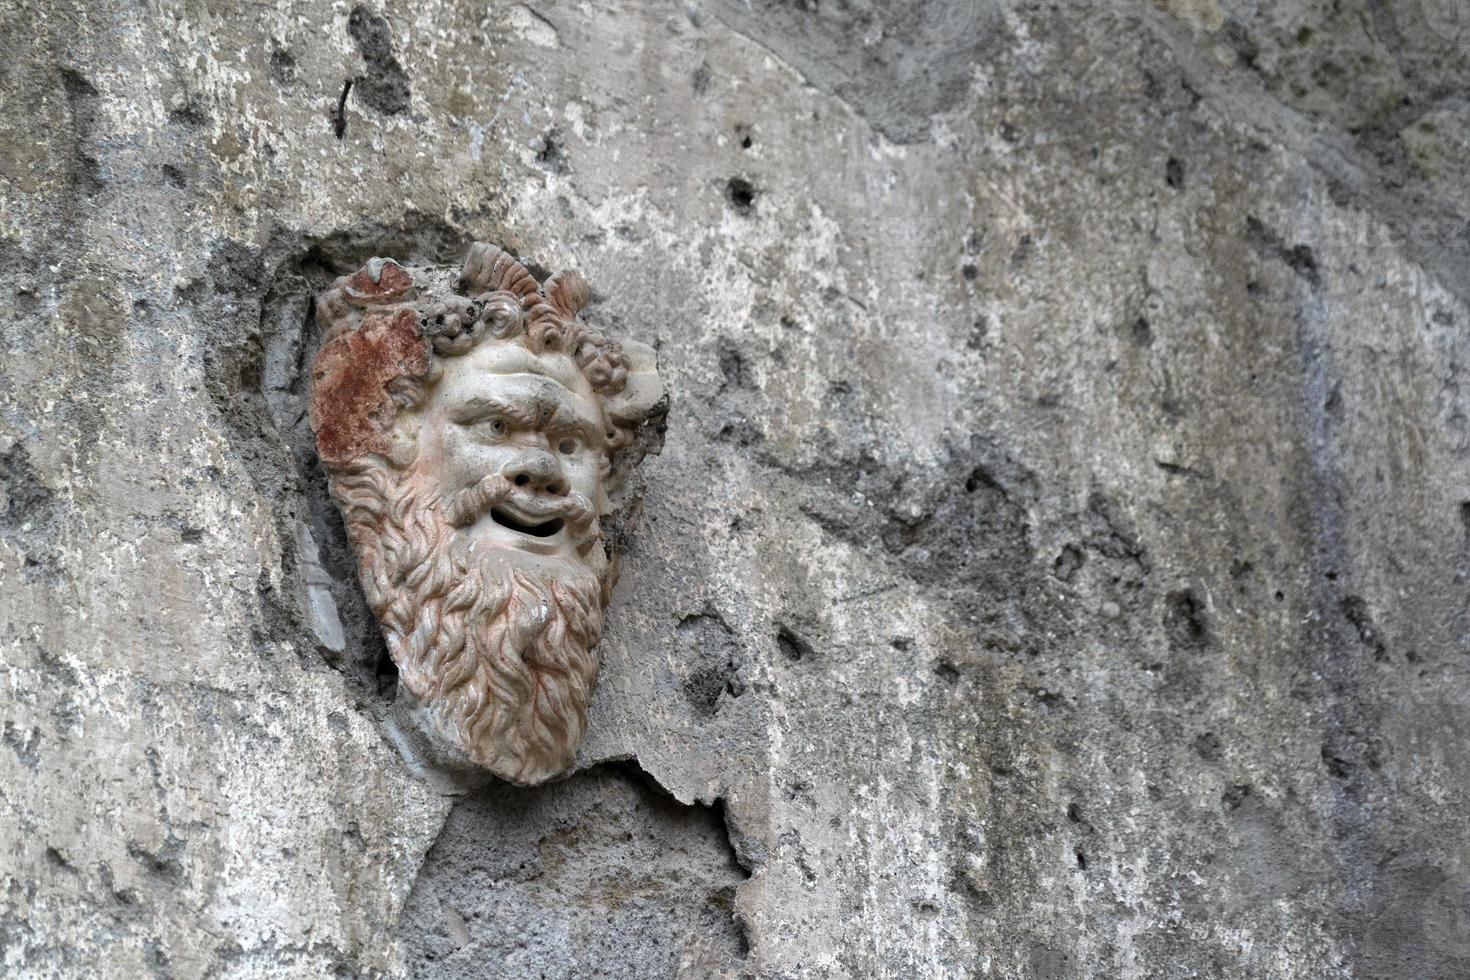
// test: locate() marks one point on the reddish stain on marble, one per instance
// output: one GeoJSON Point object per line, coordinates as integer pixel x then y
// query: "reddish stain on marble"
{"type": "Point", "coordinates": [392, 282]}
{"type": "Point", "coordinates": [351, 409]}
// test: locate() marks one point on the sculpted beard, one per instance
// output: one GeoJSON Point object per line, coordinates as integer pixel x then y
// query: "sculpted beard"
{"type": "Point", "coordinates": [498, 651]}
{"type": "Point", "coordinates": [490, 598]}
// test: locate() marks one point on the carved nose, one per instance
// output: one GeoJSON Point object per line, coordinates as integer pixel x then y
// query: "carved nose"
{"type": "Point", "coordinates": [538, 470]}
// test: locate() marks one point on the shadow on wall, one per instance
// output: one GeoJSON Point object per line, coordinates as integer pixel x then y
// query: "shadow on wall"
{"type": "Point", "coordinates": [602, 874]}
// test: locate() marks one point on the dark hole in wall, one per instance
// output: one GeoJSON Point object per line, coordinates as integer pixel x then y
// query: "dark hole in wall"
{"type": "Point", "coordinates": [1068, 561]}
{"type": "Point", "coordinates": [741, 194]}
{"type": "Point", "coordinates": [1269, 245]}
{"type": "Point", "coordinates": [33, 514]}
{"type": "Point", "coordinates": [282, 64]}
{"type": "Point", "coordinates": [700, 80]}
{"type": "Point", "coordinates": [792, 646]}
{"type": "Point", "coordinates": [86, 173]}
{"type": "Point", "coordinates": [384, 85]}
{"type": "Point", "coordinates": [552, 156]}
{"type": "Point", "coordinates": [1141, 333]}
{"type": "Point", "coordinates": [602, 874]}
{"type": "Point", "coordinates": [947, 671]}
{"type": "Point", "coordinates": [713, 655]}
{"type": "Point", "coordinates": [1355, 610]}
{"type": "Point", "coordinates": [1174, 173]}
{"type": "Point", "coordinates": [1184, 620]}
{"type": "Point", "coordinates": [1208, 746]}
{"type": "Point", "coordinates": [384, 669]}
{"type": "Point", "coordinates": [734, 366]}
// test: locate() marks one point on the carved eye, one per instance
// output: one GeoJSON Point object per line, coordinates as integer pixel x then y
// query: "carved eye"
{"type": "Point", "coordinates": [495, 426]}
{"type": "Point", "coordinates": [568, 446]}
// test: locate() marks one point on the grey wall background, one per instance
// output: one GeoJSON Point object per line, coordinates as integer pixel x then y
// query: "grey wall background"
{"type": "Point", "coordinates": [1055, 567]}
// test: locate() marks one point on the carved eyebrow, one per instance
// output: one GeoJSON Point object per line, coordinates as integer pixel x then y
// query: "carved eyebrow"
{"type": "Point", "coordinates": [565, 420]}
{"type": "Point", "coordinates": [538, 411]}
{"type": "Point", "coordinates": [473, 410]}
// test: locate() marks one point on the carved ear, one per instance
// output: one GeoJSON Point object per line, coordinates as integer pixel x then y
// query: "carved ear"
{"type": "Point", "coordinates": [568, 293]}
{"type": "Point", "coordinates": [643, 395]}
{"type": "Point", "coordinates": [489, 267]}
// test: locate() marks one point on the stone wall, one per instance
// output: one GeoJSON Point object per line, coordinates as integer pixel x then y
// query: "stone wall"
{"type": "Point", "coordinates": [1056, 563]}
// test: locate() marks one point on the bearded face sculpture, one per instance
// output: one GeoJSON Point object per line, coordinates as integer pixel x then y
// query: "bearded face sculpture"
{"type": "Point", "coordinates": [475, 433]}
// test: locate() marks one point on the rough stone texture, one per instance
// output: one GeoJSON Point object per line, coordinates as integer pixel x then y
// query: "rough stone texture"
{"type": "Point", "coordinates": [601, 875]}
{"type": "Point", "coordinates": [1055, 568]}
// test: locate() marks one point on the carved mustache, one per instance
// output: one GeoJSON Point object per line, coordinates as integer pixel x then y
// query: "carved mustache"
{"type": "Point", "coordinates": [464, 507]}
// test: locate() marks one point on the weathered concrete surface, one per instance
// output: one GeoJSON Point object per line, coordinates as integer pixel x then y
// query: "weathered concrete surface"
{"type": "Point", "coordinates": [1055, 567]}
